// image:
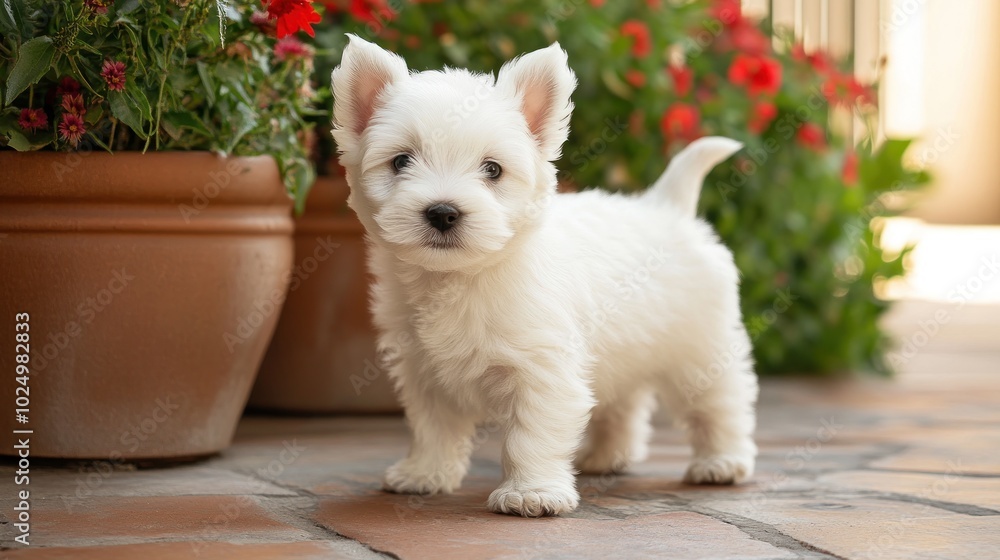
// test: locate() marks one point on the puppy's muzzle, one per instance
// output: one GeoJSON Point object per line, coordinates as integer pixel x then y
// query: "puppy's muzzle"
{"type": "Point", "coordinates": [442, 216]}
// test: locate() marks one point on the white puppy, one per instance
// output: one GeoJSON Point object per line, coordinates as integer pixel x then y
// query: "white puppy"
{"type": "Point", "coordinates": [557, 319]}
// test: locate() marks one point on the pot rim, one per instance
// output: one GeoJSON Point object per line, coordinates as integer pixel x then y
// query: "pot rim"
{"type": "Point", "coordinates": [134, 177]}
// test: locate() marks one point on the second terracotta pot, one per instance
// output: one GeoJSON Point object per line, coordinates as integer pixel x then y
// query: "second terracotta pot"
{"type": "Point", "coordinates": [322, 357]}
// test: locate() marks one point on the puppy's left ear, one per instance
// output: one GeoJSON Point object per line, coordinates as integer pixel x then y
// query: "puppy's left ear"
{"type": "Point", "coordinates": [543, 82]}
{"type": "Point", "coordinates": [364, 72]}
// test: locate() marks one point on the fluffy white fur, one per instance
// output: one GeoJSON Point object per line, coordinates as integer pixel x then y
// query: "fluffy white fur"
{"type": "Point", "coordinates": [556, 318]}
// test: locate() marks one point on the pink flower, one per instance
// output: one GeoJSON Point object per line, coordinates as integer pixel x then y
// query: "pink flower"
{"type": "Point", "coordinates": [291, 48]}
{"type": "Point", "coordinates": [72, 103]}
{"type": "Point", "coordinates": [31, 120]}
{"type": "Point", "coordinates": [113, 73]}
{"type": "Point", "coordinates": [98, 6]}
{"type": "Point", "coordinates": [72, 128]}
{"type": "Point", "coordinates": [67, 85]}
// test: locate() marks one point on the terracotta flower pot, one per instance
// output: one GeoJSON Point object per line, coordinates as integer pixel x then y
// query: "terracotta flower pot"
{"type": "Point", "coordinates": [152, 285]}
{"type": "Point", "coordinates": [322, 357]}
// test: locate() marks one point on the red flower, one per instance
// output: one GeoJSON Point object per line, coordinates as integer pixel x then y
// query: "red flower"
{"type": "Point", "coordinates": [72, 103]}
{"type": "Point", "coordinates": [412, 41]}
{"type": "Point", "coordinates": [291, 48]}
{"type": "Point", "coordinates": [811, 136]}
{"type": "Point", "coordinates": [818, 60]}
{"type": "Point", "coordinates": [759, 74]}
{"type": "Point", "coordinates": [67, 85]}
{"type": "Point", "coordinates": [72, 128]}
{"type": "Point", "coordinates": [639, 32]}
{"type": "Point", "coordinates": [747, 38]}
{"type": "Point", "coordinates": [597, 3]}
{"type": "Point", "coordinates": [680, 122]}
{"type": "Point", "coordinates": [683, 78]}
{"type": "Point", "coordinates": [293, 16]}
{"type": "Point", "coordinates": [31, 120]}
{"type": "Point", "coordinates": [727, 11]}
{"type": "Point", "coordinates": [113, 73]}
{"type": "Point", "coordinates": [847, 90]}
{"type": "Point", "coordinates": [371, 11]}
{"type": "Point", "coordinates": [635, 77]}
{"type": "Point", "coordinates": [763, 113]}
{"type": "Point", "coordinates": [850, 170]}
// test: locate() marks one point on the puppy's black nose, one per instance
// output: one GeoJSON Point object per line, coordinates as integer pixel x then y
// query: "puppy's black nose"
{"type": "Point", "coordinates": [443, 216]}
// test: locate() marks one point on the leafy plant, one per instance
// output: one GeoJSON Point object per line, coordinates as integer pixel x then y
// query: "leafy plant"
{"type": "Point", "coordinates": [797, 207]}
{"type": "Point", "coordinates": [155, 75]}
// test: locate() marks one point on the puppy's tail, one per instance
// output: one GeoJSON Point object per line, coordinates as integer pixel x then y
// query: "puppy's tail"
{"type": "Point", "coordinates": [681, 183]}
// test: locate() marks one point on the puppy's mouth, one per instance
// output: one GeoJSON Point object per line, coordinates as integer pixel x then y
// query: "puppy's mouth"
{"type": "Point", "coordinates": [443, 242]}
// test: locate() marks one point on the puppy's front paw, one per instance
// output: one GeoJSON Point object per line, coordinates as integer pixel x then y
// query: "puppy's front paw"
{"type": "Point", "coordinates": [514, 499]}
{"type": "Point", "coordinates": [719, 469]}
{"type": "Point", "coordinates": [410, 477]}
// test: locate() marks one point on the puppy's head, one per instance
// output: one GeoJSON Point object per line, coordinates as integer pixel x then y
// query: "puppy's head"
{"type": "Point", "coordinates": [448, 167]}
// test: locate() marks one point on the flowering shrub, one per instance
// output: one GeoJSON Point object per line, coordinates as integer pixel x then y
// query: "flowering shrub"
{"type": "Point", "coordinates": [140, 75]}
{"type": "Point", "coordinates": [796, 206]}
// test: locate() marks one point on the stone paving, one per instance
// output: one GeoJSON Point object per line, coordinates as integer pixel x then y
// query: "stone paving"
{"type": "Point", "coordinates": [864, 468]}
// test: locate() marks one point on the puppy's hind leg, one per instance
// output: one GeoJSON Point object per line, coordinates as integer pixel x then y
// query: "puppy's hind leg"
{"type": "Point", "coordinates": [439, 454]}
{"type": "Point", "coordinates": [618, 434]}
{"type": "Point", "coordinates": [713, 397]}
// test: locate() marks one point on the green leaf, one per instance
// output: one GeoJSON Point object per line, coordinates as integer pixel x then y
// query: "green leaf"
{"type": "Point", "coordinates": [33, 60]}
{"type": "Point", "coordinates": [126, 6]}
{"type": "Point", "coordinates": [18, 141]}
{"type": "Point", "coordinates": [124, 110]}
{"type": "Point", "coordinates": [12, 18]}
{"type": "Point", "coordinates": [140, 99]}
{"type": "Point", "coordinates": [174, 122]}
{"type": "Point", "coordinates": [206, 81]}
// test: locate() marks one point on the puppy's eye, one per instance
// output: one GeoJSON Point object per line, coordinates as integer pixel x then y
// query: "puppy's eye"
{"type": "Point", "coordinates": [492, 169]}
{"type": "Point", "coordinates": [401, 162]}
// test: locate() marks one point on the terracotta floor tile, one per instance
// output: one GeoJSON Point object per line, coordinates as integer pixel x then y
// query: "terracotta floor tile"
{"type": "Point", "coordinates": [209, 551]}
{"type": "Point", "coordinates": [978, 491]}
{"type": "Point", "coordinates": [459, 527]}
{"type": "Point", "coordinates": [856, 527]}
{"type": "Point", "coordinates": [109, 520]}
{"type": "Point", "coordinates": [873, 486]}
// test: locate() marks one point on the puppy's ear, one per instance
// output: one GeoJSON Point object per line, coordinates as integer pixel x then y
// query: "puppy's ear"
{"type": "Point", "coordinates": [543, 82]}
{"type": "Point", "coordinates": [364, 71]}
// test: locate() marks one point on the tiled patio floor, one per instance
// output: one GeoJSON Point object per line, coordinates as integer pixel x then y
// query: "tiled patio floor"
{"type": "Point", "coordinates": [908, 468]}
